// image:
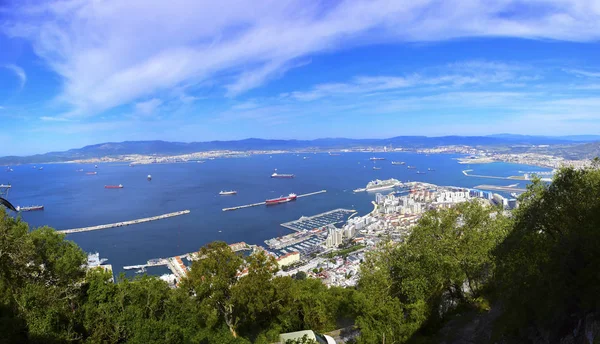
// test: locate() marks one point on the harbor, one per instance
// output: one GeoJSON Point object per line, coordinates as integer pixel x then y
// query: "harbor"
{"type": "Point", "coordinates": [263, 203]}
{"type": "Point", "coordinates": [125, 223]}
{"type": "Point", "coordinates": [307, 223]}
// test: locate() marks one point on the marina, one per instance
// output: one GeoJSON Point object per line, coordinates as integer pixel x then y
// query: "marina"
{"type": "Point", "coordinates": [125, 223]}
{"type": "Point", "coordinates": [263, 203]}
{"type": "Point", "coordinates": [307, 223]}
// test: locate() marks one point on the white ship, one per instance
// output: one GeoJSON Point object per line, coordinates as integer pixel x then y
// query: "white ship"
{"type": "Point", "coordinates": [93, 260]}
{"type": "Point", "coordinates": [377, 184]}
{"type": "Point", "coordinates": [223, 193]}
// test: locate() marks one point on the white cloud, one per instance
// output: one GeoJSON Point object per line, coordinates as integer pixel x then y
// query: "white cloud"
{"type": "Point", "coordinates": [148, 107]}
{"type": "Point", "coordinates": [456, 75]}
{"type": "Point", "coordinates": [585, 73]}
{"type": "Point", "coordinates": [54, 119]}
{"type": "Point", "coordinates": [19, 72]}
{"type": "Point", "coordinates": [115, 52]}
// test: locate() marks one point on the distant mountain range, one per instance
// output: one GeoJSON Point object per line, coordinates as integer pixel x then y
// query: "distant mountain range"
{"type": "Point", "coordinates": [171, 148]}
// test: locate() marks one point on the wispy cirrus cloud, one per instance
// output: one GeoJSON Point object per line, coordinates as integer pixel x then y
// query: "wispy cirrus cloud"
{"type": "Point", "coordinates": [451, 76]}
{"type": "Point", "coordinates": [585, 73]}
{"type": "Point", "coordinates": [19, 72]}
{"type": "Point", "coordinates": [148, 107]}
{"type": "Point", "coordinates": [113, 52]}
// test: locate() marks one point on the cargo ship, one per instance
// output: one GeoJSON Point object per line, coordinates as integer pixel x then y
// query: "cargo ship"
{"type": "Point", "coordinates": [282, 199]}
{"type": "Point", "coordinates": [120, 186]}
{"type": "Point", "coordinates": [398, 162]}
{"type": "Point", "coordinates": [32, 208]}
{"type": "Point", "coordinates": [375, 159]}
{"type": "Point", "coordinates": [91, 173]}
{"type": "Point", "coordinates": [281, 175]}
{"type": "Point", "coordinates": [224, 193]}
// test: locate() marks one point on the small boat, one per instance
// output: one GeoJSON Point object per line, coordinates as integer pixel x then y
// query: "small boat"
{"type": "Point", "coordinates": [224, 193]}
{"type": "Point", "coordinates": [398, 162]}
{"type": "Point", "coordinates": [41, 168]}
{"type": "Point", "coordinates": [79, 170]}
{"type": "Point", "coordinates": [376, 168]}
{"type": "Point", "coordinates": [149, 177]}
{"type": "Point", "coordinates": [91, 173]}
{"type": "Point", "coordinates": [95, 166]}
{"type": "Point", "coordinates": [282, 175]}
{"type": "Point", "coordinates": [411, 167]}
{"type": "Point", "coordinates": [419, 172]}
{"type": "Point", "coordinates": [120, 186]}
{"type": "Point", "coordinates": [514, 195]}
{"type": "Point", "coordinates": [375, 159]}
{"type": "Point", "coordinates": [430, 169]}
{"type": "Point", "coordinates": [306, 157]}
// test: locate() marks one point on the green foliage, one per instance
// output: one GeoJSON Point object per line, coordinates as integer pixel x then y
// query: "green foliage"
{"type": "Point", "coordinates": [548, 265]}
{"type": "Point", "coordinates": [446, 261]}
{"type": "Point", "coordinates": [46, 296]}
{"type": "Point", "coordinates": [303, 340]}
{"type": "Point", "coordinates": [344, 252]}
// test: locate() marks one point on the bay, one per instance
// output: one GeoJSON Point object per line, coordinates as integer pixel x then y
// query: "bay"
{"type": "Point", "coordinates": [73, 199]}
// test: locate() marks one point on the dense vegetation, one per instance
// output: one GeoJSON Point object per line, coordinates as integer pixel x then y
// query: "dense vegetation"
{"type": "Point", "coordinates": [537, 269]}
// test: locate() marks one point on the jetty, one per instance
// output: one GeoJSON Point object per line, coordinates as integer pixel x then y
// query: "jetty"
{"type": "Point", "coordinates": [500, 188]}
{"type": "Point", "coordinates": [125, 223]}
{"type": "Point", "coordinates": [263, 203]}
{"type": "Point", "coordinates": [465, 172]}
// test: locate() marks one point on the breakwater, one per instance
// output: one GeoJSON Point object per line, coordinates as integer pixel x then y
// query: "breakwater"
{"type": "Point", "coordinates": [125, 223]}
{"type": "Point", "coordinates": [263, 203]}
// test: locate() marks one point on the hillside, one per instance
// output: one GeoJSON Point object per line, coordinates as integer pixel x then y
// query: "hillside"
{"type": "Point", "coordinates": [173, 148]}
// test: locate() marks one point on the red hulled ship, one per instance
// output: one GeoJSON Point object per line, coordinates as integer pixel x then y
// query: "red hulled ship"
{"type": "Point", "coordinates": [120, 186]}
{"type": "Point", "coordinates": [282, 199]}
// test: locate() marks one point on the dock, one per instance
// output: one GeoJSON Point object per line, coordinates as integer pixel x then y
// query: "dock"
{"type": "Point", "coordinates": [500, 188]}
{"type": "Point", "coordinates": [263, 203]}
{"type": "Point", "coordinates": [125, 223]}
{"type": "Point", "coordinates": [492, 177]}
{"type": "Point", "coordinates": [307, 223]}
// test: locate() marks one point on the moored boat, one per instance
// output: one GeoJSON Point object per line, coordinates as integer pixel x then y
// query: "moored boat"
{"type": "Point", "coordinates": [282, 199]}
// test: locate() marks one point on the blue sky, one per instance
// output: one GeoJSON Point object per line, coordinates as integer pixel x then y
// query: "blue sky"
{"type": "Point", "coordinates": [78, 72]}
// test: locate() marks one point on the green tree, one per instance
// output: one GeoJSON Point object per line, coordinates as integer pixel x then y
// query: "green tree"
{"type": "Point", "coordinates": [41, 275]}
{"type": "Point", "coordinates": [548, 266]}
{"type": "Point", "coordinates": [211, 280]}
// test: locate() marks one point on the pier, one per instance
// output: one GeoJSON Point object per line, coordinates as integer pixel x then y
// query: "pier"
{"type": "Point", "coordinates": [125, 223]}
{"type": "Point", "coordinates": [500, 188]}
{"type": "Point", "coordinates": [492, 177]}
{"type": "Point", "coordinates": [263, 203]}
